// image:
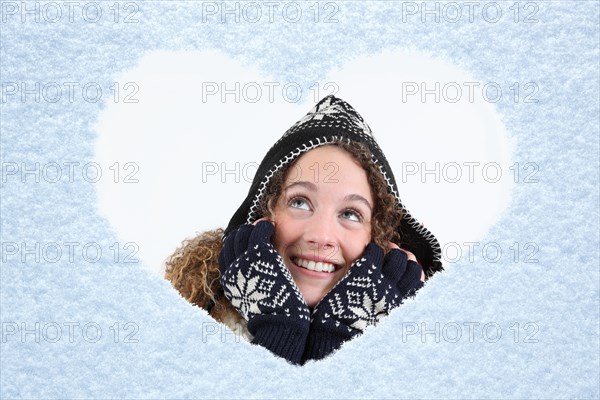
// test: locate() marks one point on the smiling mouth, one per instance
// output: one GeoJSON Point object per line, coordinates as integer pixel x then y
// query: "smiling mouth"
{"type": "Point", "coordinates": [317, 266]}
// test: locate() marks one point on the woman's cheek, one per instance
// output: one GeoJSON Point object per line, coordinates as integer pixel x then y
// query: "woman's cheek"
{"type": "Point", "coordinates": [282, 240]}
{"type": "Point", "coordinates": [360, 242]}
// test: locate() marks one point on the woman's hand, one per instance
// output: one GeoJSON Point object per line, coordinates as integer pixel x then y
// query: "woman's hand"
{"type": "Point", "coordinates": [262, 219]}
{"type": "Point", "coordinates": [260, 287]}
{"type": "Point", "coordinates": [373, 286]}
{"type": "Point", "coordinates": [411, 257]}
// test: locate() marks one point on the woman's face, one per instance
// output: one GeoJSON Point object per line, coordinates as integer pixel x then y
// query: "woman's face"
{"type": "Point", "coordinates": [322, 219]}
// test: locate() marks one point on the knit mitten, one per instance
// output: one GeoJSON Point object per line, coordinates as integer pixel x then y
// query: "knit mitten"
{"type": "Point", "coordinates": [371, 288]}
{"type": "Point", "coordinates": [261, 288]}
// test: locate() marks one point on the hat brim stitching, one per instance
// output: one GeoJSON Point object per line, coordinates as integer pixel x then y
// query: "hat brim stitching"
{"type": "Point", "coordinates": [410, 220]}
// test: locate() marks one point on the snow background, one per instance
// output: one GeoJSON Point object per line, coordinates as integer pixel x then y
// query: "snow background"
{"type": "Point", "coordinates": [59, 313]}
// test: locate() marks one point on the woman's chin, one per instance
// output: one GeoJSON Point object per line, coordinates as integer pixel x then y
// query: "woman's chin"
{"type": "Point", "coordinates": [311, 302]}
{"type": "Point", "coordinates": [310, 288]}
{"type": "Point", "coordinates": [312, 297]}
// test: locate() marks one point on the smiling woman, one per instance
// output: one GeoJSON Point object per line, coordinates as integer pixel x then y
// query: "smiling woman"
{"type": "Point", "coordinates": [312, 256]}
{"type": "Point", "coordinates": [323, 225]}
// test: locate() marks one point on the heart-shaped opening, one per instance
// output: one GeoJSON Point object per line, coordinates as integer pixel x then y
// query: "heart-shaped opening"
{"type": "Point", "coordinates": [185, 144]}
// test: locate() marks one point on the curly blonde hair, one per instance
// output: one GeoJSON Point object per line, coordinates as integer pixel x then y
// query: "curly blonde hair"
{"type": "Point", "coordinates": [193, 269]}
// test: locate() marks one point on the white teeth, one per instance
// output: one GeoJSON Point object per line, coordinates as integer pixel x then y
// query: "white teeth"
{"type": "Point", "coordinates": [315, 266]}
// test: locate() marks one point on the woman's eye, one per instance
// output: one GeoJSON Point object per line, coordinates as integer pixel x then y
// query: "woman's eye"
{"type": "Point", "coordinates": [352, 215]}
{"type": "Point", "coordinates": [300, 203]}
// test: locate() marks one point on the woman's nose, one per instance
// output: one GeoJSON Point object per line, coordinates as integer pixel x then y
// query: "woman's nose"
{"type": "Point", "coordinates": [320, 233]}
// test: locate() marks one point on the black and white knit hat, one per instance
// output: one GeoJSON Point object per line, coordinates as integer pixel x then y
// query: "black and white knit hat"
{"type": "Point", "coordinates": [332, 120]}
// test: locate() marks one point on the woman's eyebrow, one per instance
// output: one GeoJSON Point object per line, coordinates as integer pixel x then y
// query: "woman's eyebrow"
{"type": "Point", "coordinates": [305, 184]}
{"type": "Point", "coordinates": [358, 197]}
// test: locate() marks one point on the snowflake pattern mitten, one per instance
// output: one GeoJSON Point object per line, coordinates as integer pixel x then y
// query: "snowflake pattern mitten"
{"type": "Point", "coordinates": [371, 288]}
{"type": "Point", "coordinates": [261, 288]}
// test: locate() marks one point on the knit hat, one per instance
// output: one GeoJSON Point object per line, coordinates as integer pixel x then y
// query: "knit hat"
{"type": "Point", "coordinates": [333, 120]}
